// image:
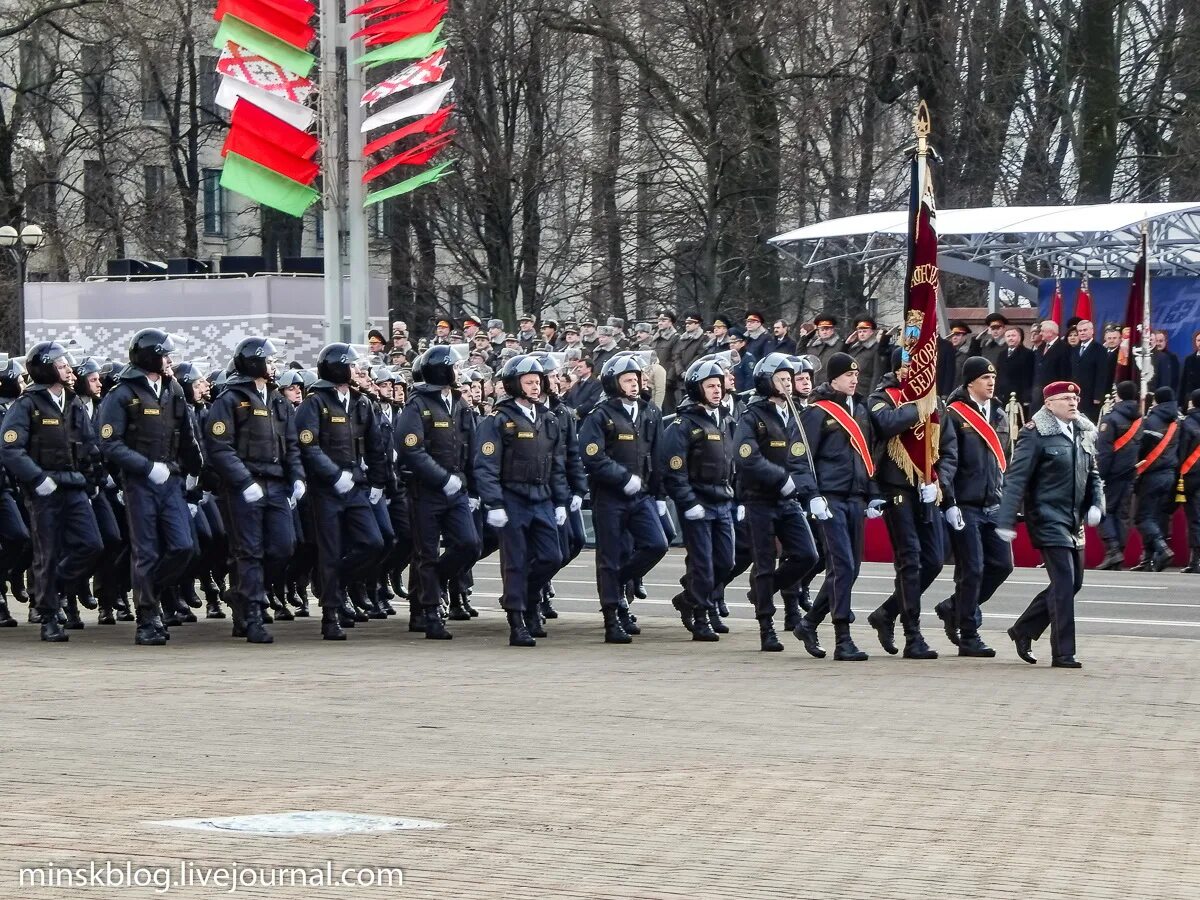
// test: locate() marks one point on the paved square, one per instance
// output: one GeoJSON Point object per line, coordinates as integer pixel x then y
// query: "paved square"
{"type": "Point", "coordinates": [661, 769]}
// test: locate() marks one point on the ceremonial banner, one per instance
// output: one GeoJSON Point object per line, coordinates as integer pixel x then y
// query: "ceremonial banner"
{"type": "Point", "coordinates": [1056, 305]}
{"type": "Point", "coordinates": [427, 71]}
{"type": "Point", "coordinates": [250, 68]}
{"type": "Point", "coordinates": [263, 186]}
{"type": "Point", "coordinates": [1135, 313]}
{"type": "Point", "coordinates": [1083, 303]}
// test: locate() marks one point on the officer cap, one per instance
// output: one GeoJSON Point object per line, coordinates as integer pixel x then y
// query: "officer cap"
{"type": "Point", "coordinates": [977, 367]}
{"type": "Point", "coordinates": [825, 319]}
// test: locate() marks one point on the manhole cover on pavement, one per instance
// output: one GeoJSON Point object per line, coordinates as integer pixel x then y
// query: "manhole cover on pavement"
{"type": "Point", "coordinates": [290, 824]}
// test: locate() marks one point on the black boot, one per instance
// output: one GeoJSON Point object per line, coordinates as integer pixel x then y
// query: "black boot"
{"type": "Point", "coordinates": [457, 612]}
{"type": "Point", "coordinates": [518, 633]}
{"type": "Point", "coordinates": [702, 629]}
{"type": "Point", "coordinates": [1162, 556]}
{"type": "Point", "coordinates": [722, 610]}
{"type": "Point", "coordinates": [714, 620]}
{"type": "Point", "coordinates": [973, 645]}
{"type": "Point", "coordinates": [533, 620]}
{"type": "Point", "coordinates": [171, 615]}
{"type": "Point", "coordinates": [435, 628]}
{"type": "Point", "coordinates": [52, 631]}
{"type": "Point", "coordinates": [791, 610]}
{"type": "Point", "coordinates": [331, 629]}
{"type": "Point", "coordinates": [33, 617]}
{"type": "Point", "coordinates": [416, 618]}
{"type": "Point", "coordinates": [255, 632]}
{"type": "Point", "coordinates": [679, 601]}
{"type": "Point", "coordinates": [548, 610]}
{"type": "Point", "coordinates": [613, 632]}
{"type": "Point", "coordinates": [1143, 564]}
{"type": "Point", "coordinates": [6, 619]}
{"type": "Point", "coordinates": [1024, 646]}
{"type": "Point", "coordinates": [213, 610]}
{"type": "Point", "coordinates": [767, 639]}
{"type": "Point", "coordinates": [806, 632]}
{"type": "Point", "coordinates": [949, 618]}
{"type": "Point", "coordinates": [187, 592]}
{"type": "Point", "coordinates": [805, 601]}
{"type": "Point", "coordinates": [148, 634]}
{"type": "Point", "coordinates": [86, 600]}
{"type": "Point", "coordinates": [1193, 566]}
{"type": "Point", "coordinates": [74, 622]}
{"type": "Point", "coordinates": [1114, 556]}
{"type": "Point", "coordinates": [474, 613]}
{"type": "Point", "coordinates": [237, 606]}
{"type": "Point", "coordinates": [845, 648]}
{"type": "Point", "coordinates": [628, 623]}
{"type": "Point", "coordinates": [105, 616]}
{"type": "Point", "coordinates": [124, 613]}
{"type": "Point", "coordinates": [639, 589]}
{"type": "Point", "coordinates": [885, 627]}
{"type": "Point", "coordinates": [915, 646]}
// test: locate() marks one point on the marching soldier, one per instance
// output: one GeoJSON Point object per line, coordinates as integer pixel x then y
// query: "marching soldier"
{"type": "Point", "coordinates": [696, 460]}
{"type": "Point", "coordinates": [1053, 473]}
{"type": "Point", "coordinates": [434, 434]}
{"type": "Point", "coordinates": [520, 471]}
{"type": "Point", "coordinates": [1117, 450]}
{"type": "Point", "coordinates": [147, 432]}
{"type": "Point", "coordinates": [252, 443]}
{"type": "Point", "coordinates": [50, 449]}
{"type": "Point", "coordinates": [910, 513]}
{"type": "Point", "coordinates": [344, 462]}
{"type": "Point", "coordinates": [15, 547]}
{"type": "Point", "coordinates": [1154, 489]}
{"type": "Point", "coordinates": [620, 444]}
{"type": "Point", "coordinates": [838, 426]}
{"type": "Point", "coordinates": [982, 560]}
{"type": "Point", "coordinates": [1189, 476]}
{"type": "Point", "coordinates": [796, 597]}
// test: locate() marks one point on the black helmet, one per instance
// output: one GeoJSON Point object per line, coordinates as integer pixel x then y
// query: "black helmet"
{"type": "Point", "coordinates": [187, 375]}
{"type": "Point", "coordinates": [308, 378]}
{"type": "Point", "coordinates": [765, 371]}
{"type": "Point", "coordinates": [89, 366]}
{"type": "Point", "coordinates": [436, 366]}
{"type": "Point", "coordinates": [333, 363]}
{"type": "Point", "coordinates": [289, 377]}
{"type": "Point", "coordinates": [510, 374]}
{"type": "Point", "coordinates": [40, 363]}
{"type": "Point", "coordinates": [547, 363]}
{"type": "Point", "coordinates": [383, 375]}
{"type": "Point", "coordinates": [805, 364]}
{"type": "Point", "coordinates": [148, 347]}
{"type": "Point", "coordinates": [252, 358]}
{"type": "Point", "coordinates": [698, 373]}
{"type": "Point", "coordinates": [614, 369]}
{"type": "Point", "coordinates": [10, 379]}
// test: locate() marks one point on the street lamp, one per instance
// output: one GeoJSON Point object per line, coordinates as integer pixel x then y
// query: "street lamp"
{"type": "Point", "coordinates": [20, 245]}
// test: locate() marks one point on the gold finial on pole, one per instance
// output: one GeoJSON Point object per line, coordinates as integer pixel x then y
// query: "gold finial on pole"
{"type": "Point", "coordinates": [921, 126]}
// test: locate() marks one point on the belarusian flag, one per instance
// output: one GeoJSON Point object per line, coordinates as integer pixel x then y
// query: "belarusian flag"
{"type": "Point", "coordinates": [421, 104]}
{"type": "Point", "coordinates": [427, 177]}
{"type": "Point", "coordinates": [264, 44]}
{"type": "Point", "coordinates": [416, 156]}
{"type": "Point", "coordinates": [270, 20]}
{"type": "Point", "coordinates": [1083, 303]}
{"type": "Point", "coordinates": [248, 117]}
{"type": "Point", "coordinates": [250, 68]}
{"type": "Point", "coordinates": [427, 71]}
{"type": "Point", "coordinates": [264, 186]}
{"type": "Point", "coordinates": [414, 47]}
{"type": "Point", "coordinates": [403, 26]}
{"type": "Point", "coordinates": [428, 125]}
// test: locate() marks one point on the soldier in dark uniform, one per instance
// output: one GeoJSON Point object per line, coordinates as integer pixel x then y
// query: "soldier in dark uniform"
{"type": "Point", "coordinates": [1189, 476]}
{"type": "Point", "coordinates": [1154, 487]}
{"type": "Point", "coordinates": [1053, 473]}
{"type": "Point", "coordinates": [696, 460]}
{"type": "Point", "coordinates": [776, 484]}
{"type": "Point", "coordinates": [1117, 449]}
{"type": "Point", "coordinates": [433, 438]}
{"type": "Point", "coordinates": [620, 443]}
{"type": "Point", "coordinates": [911, 514]}
{"type": "Point", "coordinates": [16, 550]}
{"type": "Point", "coordinates": [796, 597]}
{"type": "Point", "coordinates": [50, 449]}
{"type": "Point", "coordinates": [982, 561]}
{"type": "Point", "coordinates": [147, 432]}
{"type": "Point", "coordinates": [395, 492]}
{"type": "Point", "coordinates": [252, 443]}
{"type": "Point", "coordinates": [520, 471]}
{"type": "Point", "coordinates": [300, 566]}
{"type": "Point", "coordinates": [838, 426]}
{"type": "Point", "coordinates": [345, 466]}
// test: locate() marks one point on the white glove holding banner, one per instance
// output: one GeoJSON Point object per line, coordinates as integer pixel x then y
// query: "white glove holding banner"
{"type": "Point", "coordinates": [928, 493]}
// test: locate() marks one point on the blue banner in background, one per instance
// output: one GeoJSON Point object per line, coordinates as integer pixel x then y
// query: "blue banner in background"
{"type": "Point", "coordinates": [1174, 305]}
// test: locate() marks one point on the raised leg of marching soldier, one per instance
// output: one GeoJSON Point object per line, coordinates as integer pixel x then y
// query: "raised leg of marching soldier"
{"type": "Point", "coordinates": [784, 522]}
{"type": "Point", "coordinates": [843, 539]}
{"type": "Point", "coordinates": [743, 556]}
{"type": "Point", "coordinates": [983, 562]}
{"type": "Point", "coordinates": [1152, 492]}
{"type": "Point", "coordinates": [918, 551]}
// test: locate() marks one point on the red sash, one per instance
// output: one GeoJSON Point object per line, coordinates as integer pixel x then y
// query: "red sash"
{"type": "Point", "coordinates": [1189, 462]}
{"type": "Point", "coordinates": [1158, 448]}
{"type": "Point", "coordinates": [986, 431]}
{"type": "Point", "coordinates": [857, 440]}
{"type": "Point", "coordinates": [1127, 436]}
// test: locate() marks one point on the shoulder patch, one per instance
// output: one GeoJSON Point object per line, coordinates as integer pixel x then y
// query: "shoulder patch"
{"type": "Point", "coordinates": [1104, 426]}
{"type": "Point", "coordinates": [106, 431]}
{"type": "Point", "coordinates": [218, 428]}
{"type": "Point", "coordinates": [592, 449]}
{"type": "Point", "coordinates": [878, 406]}
{"type": "Point", "coordinates": [10, 436]}
{"type": "Point", "coordinates": [488, 448]}
{"type": "Point", "coordinates": [745, 450]}
{"type": "Point", "coordinates": [676, 463]}
{"type": "Point", "coordinates": [410, 440]}
{"type": "Point", "coordinates": [797, 449]}
{"type": "Point", "coordinates": [306, 436]}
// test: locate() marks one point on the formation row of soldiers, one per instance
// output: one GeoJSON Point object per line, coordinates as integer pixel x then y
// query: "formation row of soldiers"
{"type": "Point", "coordinates": [148, 478]}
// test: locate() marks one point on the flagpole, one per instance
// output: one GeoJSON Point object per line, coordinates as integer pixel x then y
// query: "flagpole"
{"type": "Point", "coordinates": [330, 122]}
{"type": "Point", "coordinates": [1147, 372]}
{"type": "Point", "coordinates": [922, 127]}
{"type": "Point", "coordinates": [360, 285]}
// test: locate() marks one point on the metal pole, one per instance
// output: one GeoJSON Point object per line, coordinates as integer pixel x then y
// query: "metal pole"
{"type": "Point", "coordinates": [21, 339]}
{"type": "Point", "coordinates": [331, 169]}
{"type": "Point", "coordinates": [356, 215]}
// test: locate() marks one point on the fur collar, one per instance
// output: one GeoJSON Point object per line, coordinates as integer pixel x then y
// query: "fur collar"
{"type": "Point", "coordinates": [1047, 425]}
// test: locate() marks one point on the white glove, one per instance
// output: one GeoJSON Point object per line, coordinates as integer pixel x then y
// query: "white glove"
{"type": "Point", "coordinates": [819, 508]}
{"type": "Point", "coordinates": [633, 485]}
{"type": "Point", "coordinates": [253, 493]}
{"type": "Point", "coordinates": [291, 502]}
{"type": "Point", "coordinates": [497, 518]}
{"type": "Point", "coordinates": [874, 509]}
{"type": "Point", "coordinates": [576, 504]}
{"type": "Point", "coordinates": [193, 509]}
{"type": "Point", "coordinates": [928, 493]}
{"type": "Point", "coordinates": [661, 506]}
{"type": "Point", "coordinates": [1094, 515]}
{"type": "Point", "coordinates": [344, 483]}
{"type": "Point", "coordinates": [299, 489]}
{"type": "Point", "coordinates": [108, 482]}
{"type": "Point", "coordinates": [695, 514]}
{"type": "Point", "coordinates": [954, 518]}
{"type": "Point", "coordinates": [376, 495]}
{"type": "Point", "coordinates": [159, 473]}
{"type": "Point", "coordinates": [121, 497]}
{"type": "Point", "coordinates": [1006, 534]}
{"type": "Point", "coordinates": [472, 503]}
{"type": "Point", "coordinates": [190, 483]}
{"type": "Point", "coordinates": [47, 487]}
{"type": "Point", "coordinates": [741, 513]}
{"type": "Point", "coordinates": [560, 515]}
{"type": "Point", "coordinates": [453, 486]}
{"type": "Point", "coordinates": [789, 488]}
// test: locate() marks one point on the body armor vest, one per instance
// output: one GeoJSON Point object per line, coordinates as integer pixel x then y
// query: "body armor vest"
{"type": "Point", "coordinates": [343, 435]}
{"type": "Point", "coordinates": [55, 436]}
{"type": "Point", "coordinates": [153, 423]}
{"type": "Point", "coordinates": [627, 444]}
{"type": "Point", "coordinates": [261, 432]}
{"type": "Point", "coordinates": [443, 438]}
{"type": "Point", "coordinates": [528, 448]}
{"type": "Point", "coordinates": [710, 455]}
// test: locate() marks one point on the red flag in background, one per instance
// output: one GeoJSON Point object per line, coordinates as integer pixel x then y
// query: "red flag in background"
{"type": "Point", "coordinates": [1083, 303]}
{"type": "Point", "coordinates": [1135, 310]}
{"type": "Point", "coordinates": [248, 117]}
{"type": "Point", "coordinates": [269, 19]}
{"type": "Point", "coordinates": [429, 124]}
{"type": "Point", "coordinates": [1056, 304]}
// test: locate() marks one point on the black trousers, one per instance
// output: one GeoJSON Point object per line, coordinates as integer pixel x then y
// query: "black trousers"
{"type": "Point", "coordinates": [1118, 493]}
{"type": "Point", "coordinates": [982, 562]}
{"type": "Point", "coordinates": [347, 538]}
{"type": "Point", "coordinates": [1155, 493]}
{"type": "Point", "coordinates": [917, 552]}
{"type": "Point", "coordinates": [616, 521]}
{"type": "Point", "coordinates": [783, 521]}
{"type": "Point", "coordinates": [66, 544]}
{"type": "Point", "coordinates": [1055, 606]}
{"type": "Point", "coordinates": [441, 522]}
{"type": "Point", "coordinates": [843, 539]}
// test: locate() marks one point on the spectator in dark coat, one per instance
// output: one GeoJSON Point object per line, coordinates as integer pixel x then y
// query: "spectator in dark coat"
{"type": "Point", "coordinates": [1168, 370]}
{"type": "Point", "coordinates": [688, 348]}
{"type": "Point", "coordinates": [1089, 369]}
{"type": "Point", "coordinates": [1014, 369]}
{"type": "Point", "coordinates": [1051, 363]}
{"type": "Point", "coordinates": [586, 392]}
{"type": "Point", "coordinates": [990, 343]}
{"type": "Point", "coordinates": [780, 342]}
{"type": "Point", "coordinates": [758, 339]}
{"type": "Point", "coordinates": [743, 369]}
{"type": "Point", "coordinates": [1190, 381]}
{"type": "Point", "coordinates": [870, 351]}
